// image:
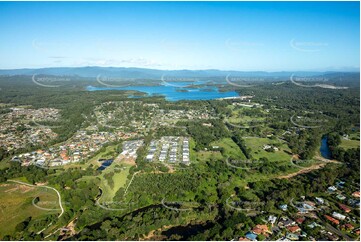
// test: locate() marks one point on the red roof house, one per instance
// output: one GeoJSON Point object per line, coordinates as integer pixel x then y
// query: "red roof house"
{"type": "Point", "coordinates": [294, 229]}
{"type": "Point", "coordinates": [344, 208]}
{"type": "Point", "coordinates": [333, 220]}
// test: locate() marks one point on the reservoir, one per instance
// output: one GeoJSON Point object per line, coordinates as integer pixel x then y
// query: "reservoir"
{"type": "Point", "coordinates": [105, 164]}
{"type": "Point", "coordinates": [325, 150]}
{"type": "Point", "coordinates": [175, 91]}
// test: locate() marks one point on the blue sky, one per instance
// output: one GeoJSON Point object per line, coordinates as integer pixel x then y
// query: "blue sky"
{"type": "Point", "coordinates": [265, 36]}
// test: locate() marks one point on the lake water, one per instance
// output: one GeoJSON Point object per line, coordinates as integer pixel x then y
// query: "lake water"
{"type": "Point", "coordinates": [105, 164]}
{"type": "Point", "coordinates": [175, 91]}
{"type": "Point", "coordinates": [325, 150]}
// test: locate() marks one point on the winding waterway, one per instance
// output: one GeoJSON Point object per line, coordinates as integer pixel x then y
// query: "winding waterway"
{"type": "Point", "coordinates": [174, 91]}
{"type": "Point", "coordinates": [325, 150]}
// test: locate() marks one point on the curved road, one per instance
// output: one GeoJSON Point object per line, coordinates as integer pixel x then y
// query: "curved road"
{"type": "Point", "coordinates": [57, 192]}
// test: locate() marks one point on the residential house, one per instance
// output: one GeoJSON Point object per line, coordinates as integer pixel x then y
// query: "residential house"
{"type": "Point", "coordinates": [251, 236]}
{"type": "Point", "coordinates": [344, 208]}
{"type": "Point", "coordinates": [285, 222]}
{"type": "Point", "coordinates": [332, 220]}
{"type": "Point", "coordinates": [283, 207]}
{"type": "Point", "coordinates": [340, 184]}
{"type": "Point", "coordinates": [338, 216]}
{"type": "Point", "coordinates": [356, 194]}
{"type": "Point", "coordinates": [332, 189]}
{"type": "Point", "coordinates": [292, 236]}
{"type": "Point", "coordinates": [294, 229]}
{"type": "Point", "coordinates": [272, 219]}
{"type": "Point", "coordinates": [332, 237]}
{"type": "Point", "coordinates": [320, 200]}
{"type": "Point", "coordinates": [313, 225]}
{"type": "Point", "coordinates": [347, 227]}
{"type": "Point", "coordinates": [243, 239]}
{"type": "Point", "coordinates": [261, 229]}
{"type": "Point", "coordinates": [340, 197]}
{"type": "Point", "coordinates": [300, 220]}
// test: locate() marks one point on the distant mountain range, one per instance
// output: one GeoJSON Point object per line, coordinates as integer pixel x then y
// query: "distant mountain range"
{"type": "Point", "coordinates": [143, 73]}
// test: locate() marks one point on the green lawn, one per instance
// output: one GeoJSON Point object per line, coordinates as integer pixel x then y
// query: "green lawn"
{"type": "Point", "coordinates": [203, 156]}
{"type": "Point", "coordinates": [16, 205]}
{"type": "Point", "coordinates": [256, 145]}
{"type": "Point", "coordinates": [120, 170]}
{"type": "Point", "coordinates": [349, 144]}
{"type": "Point", "coordinates": [4, 164]}
{"type": "Point", "coordinates": [231, 149]}
{"type": "Point", "coordinates": [119, 179]}
{"type": "Point", "coordinates": [245, 119]}
{"type": "Point", "coordinates": [238, 116]}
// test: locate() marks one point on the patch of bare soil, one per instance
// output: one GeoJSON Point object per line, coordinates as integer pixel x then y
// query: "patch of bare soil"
{"type": "Point", "coordinates": [68, 231]}
{"type": "Point", "coordinates": [21, 188]}
{"type": "Point", "coordinates": [303, 171]}
{"type": "Point", "coordinates": [126, 160]}
{"type": "Point", "coordinates": [151, 235]}
{"type": "Point", "coordinates": [310, 168]}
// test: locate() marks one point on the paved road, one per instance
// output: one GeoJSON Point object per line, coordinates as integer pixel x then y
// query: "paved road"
{"type": "Point", "coordinates": [338, 232]}
{"type": "Point", "coordinates": [57, 192]}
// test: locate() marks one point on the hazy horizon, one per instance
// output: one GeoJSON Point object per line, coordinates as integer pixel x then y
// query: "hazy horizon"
{"type": "Point", "coordinates": [211, 69]}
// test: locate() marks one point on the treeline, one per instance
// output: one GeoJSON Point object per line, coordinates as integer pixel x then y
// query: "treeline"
{"type": "Point", "coordinates": [305, 144]}
{"type": "Point", "coordinates": [137, 224]}
{"type": "Point", "coordinates": [350, 156]}
{"type": "Point", "coordinates": [237, 138]}
{"type": "Point", "coordinates": [32, 173]}
{"type": "Point", "coordinates": [158, 186]}
{"type": "Point", "coordinates": [205, 132]}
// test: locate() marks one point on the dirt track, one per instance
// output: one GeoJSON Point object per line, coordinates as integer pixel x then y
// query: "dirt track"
{"type": "Point", "coordinates": [311, 168]}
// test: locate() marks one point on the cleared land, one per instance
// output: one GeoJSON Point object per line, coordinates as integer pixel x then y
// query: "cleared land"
{"type": "Point", "coordinates": [230, 148]}
{"type": "Point", "coordinates": [349, 144]}
{"type": "Point", "coordinates": [256, 144]}
{"type": "Point", "coordinates": [238, 115]}
{"type": "Point", "coordinates": [245, 119]}
{"type": "Point", "coordinates": [19, 198]}
{"type": "Point", "coordinates": [118, 179]}
{"type": "Point", "coordinates": [111, 178]}
{"type": "Point", "coordinates": [204, 156]}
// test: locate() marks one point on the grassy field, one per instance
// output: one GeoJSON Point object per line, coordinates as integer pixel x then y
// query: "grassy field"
{"type": "Point", "coordinates": [120, 170]}
{"type": "Point", "coordinates": [246, 120]}
{"type": "Point", "coordinates": [349, 144]}
{"type": "Point", "coordinates": [16, 205]}
{"type": "Point", "coordinates": [203, 156]}
{"type": "Point", "coordinates": [4, 164]}
{"type": "Point", "coordinates": [238, 116]}
{"type": "Point", "coordinates": [256, 145]}
{"type": "Point", "coordinates": [119, 179]}
{"type": "Point", "coordinates": [231, 149]}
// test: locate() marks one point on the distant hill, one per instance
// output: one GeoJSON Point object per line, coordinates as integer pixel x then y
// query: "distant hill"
{"type": "Point", "coordinates": [346, 78]}
{"type": "Point", "coordinates": [94, 71]}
